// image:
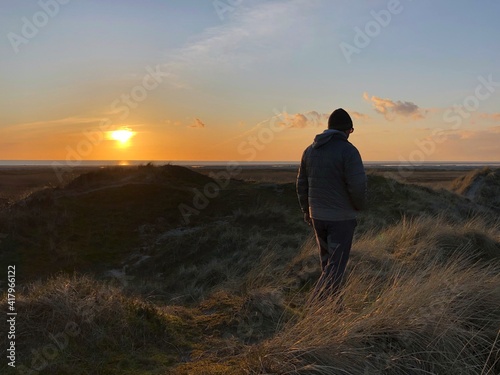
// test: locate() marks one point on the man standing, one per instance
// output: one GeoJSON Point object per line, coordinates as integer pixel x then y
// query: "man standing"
{"type": "Point", "coordinates": [331, 187]}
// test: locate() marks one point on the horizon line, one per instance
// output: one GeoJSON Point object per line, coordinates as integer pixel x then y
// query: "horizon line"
{"type": "Point", "coordinates": [74, 163]}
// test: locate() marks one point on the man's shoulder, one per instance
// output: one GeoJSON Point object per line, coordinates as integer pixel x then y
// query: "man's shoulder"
{"type": "Point", "coordinates": [350, 147]}
{"type": "Point", "coordinates": [307, 149]}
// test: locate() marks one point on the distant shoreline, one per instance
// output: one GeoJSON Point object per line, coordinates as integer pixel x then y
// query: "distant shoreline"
{"type": "Point", "coordinates": [19, 178]}
{"type": "Point", "coordinates": [242, 164]}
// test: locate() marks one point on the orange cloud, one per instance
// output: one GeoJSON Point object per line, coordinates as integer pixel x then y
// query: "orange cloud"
{"type": "Point", "coordinates": [358, 115]}
{"type": "Point", "coordinates": [173, 123]}
{"type": "Point", "coordinates": [301, 120]}
{"type": "Point", "coordinates": [471, 145]}
{"type": "Point", "coordinates": [313, 119]}
{"type": "Point", "coordinates": [197, 124]}
{"type": "Point", "coordinates": [490, 116]}
{"type": "Point", "coordinates": [393, 109]}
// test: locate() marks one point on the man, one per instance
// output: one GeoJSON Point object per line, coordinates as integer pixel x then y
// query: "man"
{"type": "Point", "coordinates": [331, 187]}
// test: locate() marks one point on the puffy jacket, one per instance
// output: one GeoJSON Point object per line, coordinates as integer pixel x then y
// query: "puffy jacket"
{"type": "Point", "coordinates": [331, 183]}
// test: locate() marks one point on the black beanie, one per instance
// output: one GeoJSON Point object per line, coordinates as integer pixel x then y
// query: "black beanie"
{"type": "Point", "coordinates": [340, 120]}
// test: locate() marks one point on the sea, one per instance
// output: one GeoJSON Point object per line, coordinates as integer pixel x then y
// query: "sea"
{"type": "Point", "coordinates": [241, 164]}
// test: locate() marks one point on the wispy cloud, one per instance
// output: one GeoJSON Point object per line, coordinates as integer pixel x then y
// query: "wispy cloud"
{"type": "Point", "coordinates": [304, 120]}
{"type": "Point", "coordinates": [197, 123]}
{"type": "Point", "coordinates": [251, 36]}
{"type": "Point", "coordinates": [264, 123]}
{"type": "Point", "coordinates": [58, 122]}
{"type": "Point", "coordinates": [314, 119]}
{"type": "Point", "coordinates": [65, 125]}
{"type": "Point", "coordinates": [173, 123]}
{"type": "Point", "coordinates": [473, 134]}
{"type": "Point", "coordinates": [358, 115]}
{"type": "Point", "coordinates": [393, 109]}
{"type": "Point", "coordinates": [490, 116]}
{"type": "Point", "coordinates": [469, 144]}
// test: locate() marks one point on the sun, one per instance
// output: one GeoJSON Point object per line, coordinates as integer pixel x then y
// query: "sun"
{"type": "Point", "coordinates": [122, 135]}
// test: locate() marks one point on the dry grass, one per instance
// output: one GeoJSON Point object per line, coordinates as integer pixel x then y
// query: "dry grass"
{"type": "Point", "coordinates": [231, 293]}
{"type": "Point", "coordinates": [462, 184]}
{"type": "Point", "coordinates": [438, 319]}
{"type": "Point", "coordinates": [481, 186]}
{"type": "Point", "coordinates": [73, 325]}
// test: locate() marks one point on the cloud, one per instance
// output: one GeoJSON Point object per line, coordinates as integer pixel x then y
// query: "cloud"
{"type": "Point", "coordinates": [490, 116]}
{"type": "Point", "coordinates": [304, 120]}
{"type": "Point", "coordinates": [59, 122]}
{"type": "Point", "coordinates": [253, 34]}
{"type": "Point", "coordinates": [313, 119]}
{"type": "Point", "coordinates": [394, 109]}
{"type": "Point", "coordinates": [173, 123]}
{"type": "Point", "coordinates": [33, 130]}
{"type": "Point", "coordinates": [358, 115]}
{"type": "Point", "coordinates": [479, 145]}
{"type": "Point", "coordinates": [197, 123]}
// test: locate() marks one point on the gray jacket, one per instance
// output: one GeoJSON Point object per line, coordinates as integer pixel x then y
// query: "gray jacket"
{"type": "Point", "coordinates": [331, 184]}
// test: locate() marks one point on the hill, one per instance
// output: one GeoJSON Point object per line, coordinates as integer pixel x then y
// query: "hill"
{"type": "Point", "coordinates": [101, 217]}
{"type": "Point", "coordinates": [154, 270]}
{"type": "Point", "coordinates": [480, 186]}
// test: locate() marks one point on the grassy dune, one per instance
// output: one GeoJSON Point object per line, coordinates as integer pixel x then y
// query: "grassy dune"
{"type": "Point", "coordinates": [115, 282]}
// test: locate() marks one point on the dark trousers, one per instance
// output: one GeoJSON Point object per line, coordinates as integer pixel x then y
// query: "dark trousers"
{"type": "Point", "coordinates": [334, 240]}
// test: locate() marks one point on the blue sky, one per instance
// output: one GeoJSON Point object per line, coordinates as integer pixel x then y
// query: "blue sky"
{"type": "Point", "coordinates": [232, 70]}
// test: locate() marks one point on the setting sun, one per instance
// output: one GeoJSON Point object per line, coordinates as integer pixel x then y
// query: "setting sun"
{"type": "Point", "coordinates": [122, 135]}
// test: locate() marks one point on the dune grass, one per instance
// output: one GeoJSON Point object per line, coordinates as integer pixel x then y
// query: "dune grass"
{"type": "Point", "coordinates": [70, 325]}
{"type": "Point", "coordinates": [230, 294]}
{"type": "Point", "coordinates": [398, 314]}
{"type": "Point", "coordinates": [481, 186]}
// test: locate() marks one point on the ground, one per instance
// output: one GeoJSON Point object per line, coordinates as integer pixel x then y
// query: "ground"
{"type": "Point", "coordinates": [167, 270]}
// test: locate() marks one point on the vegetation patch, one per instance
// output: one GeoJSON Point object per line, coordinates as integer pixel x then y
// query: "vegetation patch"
{"type": "Point", "coordinates": [114, 281]}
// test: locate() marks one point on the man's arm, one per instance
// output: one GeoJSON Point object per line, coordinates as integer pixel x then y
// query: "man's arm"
{"type": "Point", "coordinates": [303, 186]}
{"type": "Point", "coordinates": [356, 179]}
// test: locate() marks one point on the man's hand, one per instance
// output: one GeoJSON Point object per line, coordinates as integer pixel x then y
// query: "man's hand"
{"type": "Point", "coordinates": [307, 218]}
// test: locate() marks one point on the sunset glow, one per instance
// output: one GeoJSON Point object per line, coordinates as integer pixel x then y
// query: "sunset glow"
{"type": "Point", "coordinates": [248, 80]}
{"type": "Point", "coordinates": [122, 135]}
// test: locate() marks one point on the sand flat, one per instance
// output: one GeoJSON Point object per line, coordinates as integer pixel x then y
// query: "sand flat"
{"type": "Point", "coordinates": [19, 181]}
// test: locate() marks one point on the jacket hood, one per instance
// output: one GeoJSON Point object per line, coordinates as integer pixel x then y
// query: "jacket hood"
{"type": "Point", "coordinates": [323, 138]}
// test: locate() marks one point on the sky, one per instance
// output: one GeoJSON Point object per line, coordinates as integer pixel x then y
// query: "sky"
{"type": "Point", "coordinates": [248, 80]}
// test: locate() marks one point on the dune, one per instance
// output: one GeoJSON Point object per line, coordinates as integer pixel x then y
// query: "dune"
{"type": "Point", "coordinates": [114, 281]}
{"type": "Point", "coordinates": [480, 186]}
